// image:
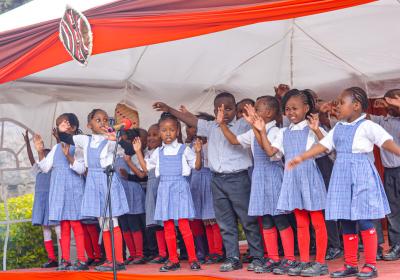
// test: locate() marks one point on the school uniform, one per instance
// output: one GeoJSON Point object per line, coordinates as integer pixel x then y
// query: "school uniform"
{"type": "Point", "coordinates": [40, 209]}
{"type": "Point", "coordinates": [391, 179]}
{"type": "Point", "coordinates": [230, 185]}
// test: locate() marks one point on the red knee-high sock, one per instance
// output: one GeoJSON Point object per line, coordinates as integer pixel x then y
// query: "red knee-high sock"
{"type": "Point", "coordinates": [321, 235]}
{"type": "Point", "coordinates": [138, 240]}
{"type": "Point", "coordinates": [271, 243]}
{"type": "Point", "coordinates": [261, 228]}
{"type": "Point", "coordinates": [65, 240]}
{"type": "Point", "coordinates": [187, 236]}
{"type": "Point", "coordinates": [107, 245]}
{"type": "Point", "coordinates": [287, 239]}
{"type": "Point", "coordinates": [217, 239]}
{"type": "Point", "coordinates": [210, 239]}
{"type": "Point", "coordinates": [370, 242]}
{"type": "Point", "coordinates": [170, 239]}
{"type": "Point", "coordinates": [88, 242]}
{"type": "Point", "coordinates": [118, 245]}
{"type": "Point", "coordinates": [94, 237]}
{"type": "Point", "coordinates": [129, 243]}
{"type": "Point", "coordinates": [303, 234]}
{"type": "Point", "coordinates": [162, 246]}
{"type": "Point", "coordinates": [79, 240]}
{"type": "Point", "coordinates": [48, 245]}
{"type": "Point", "coordinates": [350, 244]}
{"type": "Point", "coordinates": [196, 227]}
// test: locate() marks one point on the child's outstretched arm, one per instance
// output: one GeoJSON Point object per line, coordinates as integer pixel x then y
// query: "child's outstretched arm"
{"type": "Point", "coordinates": [198, 144]}
{"type": "Point", "coordinates": [392, 147]}
{"type": "Point", "coordinates": [186, 117]}
{"type": "Point", "coordinates": [137, 146]}
{"type": "Point", "coordinates": [225, 129]}
{"type": "Point", "coordinates": [28, 147]}
{"type": "Point", "coordinates": [314, 151]}
{"type": "Point", "coordinates": [259, 124]}
{"type": "Point", "coordinates": [137, 171]}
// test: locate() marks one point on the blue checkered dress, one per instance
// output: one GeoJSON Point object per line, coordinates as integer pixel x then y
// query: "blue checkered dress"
{"type": "Point", "coordinates": [266, 184]}
{"type": "Point", "coordinates": [66, 189]}
{"type": "Point", "coordinates": [355, 190]}
{"type": "Point", "coordinates": [94, 198]}
{"type": "Point", "coordinates": [133, 191]}
{"type": "Point", "coordinates": [200, 187]}
{"type": "Point", "coordinates": [40, 209]}
{"type": "Point", "coordinates": [174, 200]}
{"type": "Point", "coordinates": [302, 187]}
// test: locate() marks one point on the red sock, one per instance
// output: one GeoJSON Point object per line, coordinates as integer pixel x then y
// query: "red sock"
{"type": "Point", "coordinates": [138, 239]}
{"type": "Point", "coordinates": [48, 245]}
{"type": "Point", "coordinates": [107, 245]}
{"type": "Point", "coordinates": [170, 239]}
{"type": "Point", "coordinates": [88, 243]}
{"type": "Point", "coordinates": [210, 239]}
{"type": "Point", "coordinates": [65, 240]}
{"type": "Point", "coordinates": [350, 244]}
{"type": "Point", "coordinates": [94, 237]}
{"type": "Point", "coordinates": [196, 227]}
{"type": "Point", "coordinates": [217, 239]}
{"type": "Point", "coordinates": [370, 242]}
{"type": "Point", "coordinates": [162, 246]}
{"type": "Point", "coordinates": [118, 245]}
{"type": "Point", "coordinates": [271, 243]}
{"type": "Point", "coordinates": [79, 240]}
{"type": "Point", "coordinates": [129, 243]}
{"type": "Point", "coordinates": [287, 239]}
{"type": "Point", "coordinates": [303, 234]}
{"type": "Point", "coordinates": [187, 236]}
{"type": "Point", "coordinates": [321, 235]}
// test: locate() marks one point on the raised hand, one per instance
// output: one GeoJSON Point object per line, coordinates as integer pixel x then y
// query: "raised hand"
{"type": "Point", "coordinates": [250, 110]}
{"type": "Point", "coordinates": [26, 136]}
{"type": "Point", "coordinates": [325, 107]}
{"type": "Point", "coordinates": [38, 141]}
{"type": "Point", "coordinates": [64, 126]}
{"type": "Point", "coordinates": [55, 134]}
{"type": "Point", "coordinates": [65, 148]}
{"type": "Point", "coordinates": [137, 144]}
{"type": "Point", "coordinates": [313, 122]}
{"type": "Point", "coordinates": [258, 123]}
{"type": "Point", "coordinates": [160, 106]}
{"type": "Point", "coordinates": [183, 109]}
{"type": "Point", "coordinates": [393, 101]}
{"type": "Point", "coordinates": [124, 174]}
{"type": "Point", "coordinates": [198, 145]}
{"type": "Point", "coordinates": [294, 162]}
{"type": "Point", "coordinates": [220, 114]}
{"type": "Point", "coordinates": [281, 90]}
{"type": "Point", "coordinates": [380, 103]}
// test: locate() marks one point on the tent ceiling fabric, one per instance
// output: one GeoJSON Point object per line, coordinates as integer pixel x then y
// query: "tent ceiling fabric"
{"type": "Point", "coordinates": [326, 52]}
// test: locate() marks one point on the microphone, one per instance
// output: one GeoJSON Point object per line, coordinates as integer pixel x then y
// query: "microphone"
{"type": "Point", "coordinates": [124, 125]}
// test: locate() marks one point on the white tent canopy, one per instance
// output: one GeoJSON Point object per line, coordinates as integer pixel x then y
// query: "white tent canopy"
{"type": "Point", "coordinates": [328, 52]}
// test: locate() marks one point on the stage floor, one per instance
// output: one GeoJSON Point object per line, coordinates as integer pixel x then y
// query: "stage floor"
{"type": "Point", "coordinates": [387, 270]}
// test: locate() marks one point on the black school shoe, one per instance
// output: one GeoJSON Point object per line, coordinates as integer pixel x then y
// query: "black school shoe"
{"type": "Point", "coordinates": [170, 266]}
{"type": "Point", "coordinates": [108, 266]}
{"type": "Point", "coordinates": [79, 266]}
{"type": "Point", "coordinates": [379, 253]}
{"type": "Point", "coordinates": [393, 254]}
{"type": "Point", "coordinates": [296, 270]}
{"type": "Point", "coordinates": [315, 269]}
{"type": "Point", "coordinates": [230, 264]}
{"type": "Point", "coordinates": [50, 264]}
{"type": "Point", "coordinates": [129, 260]}
{"type": "Point", "coordinates": [284, 267]}
{"type": "Point", "coordinates": [142, 260]}
{"type": "Point", "coordinates": [159, 260]}
{"type": "Point", "coordinates": [267, 267]}
{"type": "Point", "coordinates": [347, 271]}
{"type": "Point", "coordinates": [373, 273]}
{"type": "Point", "coordinates": [64, 265]}
{"type": "Point", "coordinates": [333, 253]}
{"type": "Point", "coordinates": [195, 266]}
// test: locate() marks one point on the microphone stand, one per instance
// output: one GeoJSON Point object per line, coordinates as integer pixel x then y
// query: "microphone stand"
{"type": "Point", "coordinates": [110, 172]}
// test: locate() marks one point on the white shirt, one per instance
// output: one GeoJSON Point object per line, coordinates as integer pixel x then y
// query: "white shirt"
{"type": "Point", "coordinates": [188, 158]}
{"type": "Point", "coordinates": [247, 139]}
{"type": "Point", "coordinates": [312, 138]}
{"type": "Point", "coordinates": [366, 136]}
{"type": "Point", "coordinates": [46, 164]}
{"type": "Point", "coordinates": [35, 170]}
{"type": "Point", "coordinates": [106, 155]}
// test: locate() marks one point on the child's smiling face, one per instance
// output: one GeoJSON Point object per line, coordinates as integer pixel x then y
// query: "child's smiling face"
{"type": "Point", "coordinates": [295, 109]}
{"type": "Point", "coordinates": [99, 122]}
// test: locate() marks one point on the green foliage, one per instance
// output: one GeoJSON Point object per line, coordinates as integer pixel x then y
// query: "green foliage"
{"type": "Point", "coordinates": [25, 244]}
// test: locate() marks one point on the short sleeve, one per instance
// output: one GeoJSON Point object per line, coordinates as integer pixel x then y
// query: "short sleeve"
{"type": "Point", "coordinates": [245, 138]}
{"type": "Point", "coordinates": [278, 141]}
{"type": "Point", "coordinates": [204, 127]}
{"type": "Point", "coordinates": [376, 133]}
{"type": "Point", "coordinates": [151, 162]}
{"type": "Point", "coordinates": [190, 157]}
{"type": "Point", "coordinates": [327, 141]}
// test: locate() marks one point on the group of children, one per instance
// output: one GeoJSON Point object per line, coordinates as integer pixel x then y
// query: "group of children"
{"type": "Point", "coordinates": [238, 166]}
